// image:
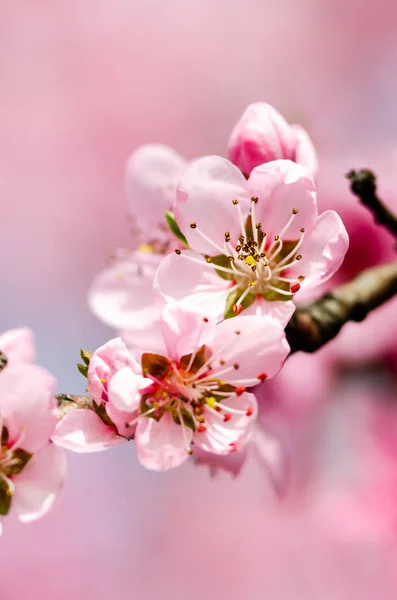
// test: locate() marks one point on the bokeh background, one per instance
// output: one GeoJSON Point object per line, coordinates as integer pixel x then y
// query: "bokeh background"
{"type": "Point", "coordinates": [82, 83]}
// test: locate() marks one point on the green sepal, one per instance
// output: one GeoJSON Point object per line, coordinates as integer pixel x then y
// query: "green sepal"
{"type": "Point", "coordinates": [102, 414]}
{"type": "Point", "coordinates": [173, 225]}
{"type": "Point", "coordinates": [186, 417]}
{"type": "Point", "coordinates": [4, 436]}
{"type": "Point", "coordinates": [198, 361]}
{"type": "Point", "coordinates": [156, 364]}
{"type": "Point", "coordinates": [23, 458]}
{"type": "Point", "coordinates": [86, 356]}
{"type": "Point", "coordinates": [222, 261]}
{"type": "Point", "coordinates": [83, 369]}
{"type": "Point", "coordinates": [232, 299]}
{"type": "Point", "coordinates": [5, 497]}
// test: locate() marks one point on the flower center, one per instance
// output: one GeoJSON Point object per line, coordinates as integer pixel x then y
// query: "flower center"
{"type": "Point", "coordinates": [12, 460]}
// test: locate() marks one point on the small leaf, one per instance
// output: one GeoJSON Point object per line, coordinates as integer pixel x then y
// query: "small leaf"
{"type": "Point", "coordinates": [102, 414]}
{"type": "Point", "coordinates": [232, 299]}
{"type": "Point", "coordinates": [156, 364]}
{"type": "Point", "coordinates": [173, 225]}
{"type": "Point", "coordinates": [21, 458]}
{"type": "Point", "coordinates": [198, 361]}
{"type": "Point", "coordinates": [83, 369]}
{"type": "Point", "coordinates": [5, 497]}
{"type": "Point", "coordinates": [85, 356]}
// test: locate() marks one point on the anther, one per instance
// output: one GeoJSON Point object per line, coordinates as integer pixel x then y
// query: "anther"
{"type": "Point", "coordinates": [193, 225]}
{"type": "Point", "coordinates": [258, 225]}
{"type": "Point", "coordinates": [227, 236]}
{"type": "Point", "coordinates": [189, 451]}
{"type": "Point", "coordinates": [302, 230]}
{"type": "Point", "coordinates": [299, 257]}
{"type": "Point", "coordinates": [238, 248]}
{"type": "Point", "coordinates": [227, 416]}
{"type": "Point", "coordinates": [177, 251]}
{"type": "Point", "coordinates": [237, 309]}
{"type": "Point", "coordinates": [235, 202]}
{"type": "Point", "coordinates": [240, 390]}
{"type": "Point", "coordinates": [230, 258]}
{"type": "Point", "coordinates": [295, 288]}
{"type": "Point", "coordinates": [276, 238]}
{"type": "Point", "coordinates": [205, 319]}
{"type": "Point", "coordinates": [208, 259]}
{"type": "Point", "coordinates": [222, 362]}
{"type": "Point", "coordinates": [301, 278]}
{"type": "Point", "coordinates": [201, 428]}
{"type": "Point", "coordinates": [237, 332]}
{"type": "Point", "coordinates": [295, 211]}
{"type": "Point", "coordinates": [236, 366]}
{"type": "Point", "coordinates": [253, 268]}
{"type": "Point", "coordinates": [254, 199]}
{"type": "Point", "coordinates": [249, 411]}
{"type": "Point", "coordinates": [262, 376]}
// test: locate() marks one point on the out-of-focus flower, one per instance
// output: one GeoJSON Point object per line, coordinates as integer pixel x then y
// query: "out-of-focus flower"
{"type": "Point", "coordinates": [262, 135]}
{"type": "Point", "coordinates": [195, 393]}
{"type": "Point", "coordinates": [122, 295]}
{"type": "Point", "coordinates": [32, 469]}
{"type": "Point", "coordinates": [18, 345]}
{"type": "Point", "coordinates": [254, 243]}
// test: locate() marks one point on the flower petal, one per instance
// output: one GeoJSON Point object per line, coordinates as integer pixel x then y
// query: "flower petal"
{"type": "Point", "coordinates": [272, 456]}
{"type": "Point", "coordinates": [251, 348]}
{"type": "Point", "coordinates": [82, 431]}
{"type": "Point", "coordinates": [152, 175]}
{"type": "Point", "coordinates": [122, 295]}
{"type": "Point", "coordinates": [123, 389]}
{"type": "Point", "coordinates": [279, 310]}
{"type": "Point", "coordinates": [18, 345]}
{"type": "Point", "coordinates": [27, 405]}
{"type": "Point", "coordinates": [305, 152]}
{"type": "Point", "coordinates": [204, 197]}
{"type": "Point", "coordinates": [161, 445]}
{"type": "Point", "coordinates": [178, 277]}
{"type": "Point", "coordinates": [323, 251]}
{"type": "Point", "coordinates": [39, 484]}
{"type": "Point", "coordinates": [282, 186]}
{"type": "Point", "coordinates": [223, 437]}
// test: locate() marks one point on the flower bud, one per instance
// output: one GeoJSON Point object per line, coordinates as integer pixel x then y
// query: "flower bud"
{"type": "Point", "coordinates": [262, 135]}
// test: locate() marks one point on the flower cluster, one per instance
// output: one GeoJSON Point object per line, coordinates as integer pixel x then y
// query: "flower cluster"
{"type": "Point", "coordinates": [200, 304]}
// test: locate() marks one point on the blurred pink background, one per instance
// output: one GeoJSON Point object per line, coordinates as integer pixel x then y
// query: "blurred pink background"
{"type": "Point", "coordinates": [82, 83]}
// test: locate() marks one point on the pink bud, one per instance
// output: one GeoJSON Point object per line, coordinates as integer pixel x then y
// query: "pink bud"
{"type": "Point", "coordinates": [262, 135]}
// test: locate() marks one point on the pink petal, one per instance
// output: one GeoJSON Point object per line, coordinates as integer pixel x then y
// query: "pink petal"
{"type": "Point", "coordinates": [279, 310]}
{"type": "Point", "coordinates": [282, 186]}
{"type": "Point", "coordinates": [82, 431]}
{"type": "Point", "coordinates": [27, 405]}
{"type": "Point", "coordinates": [305, 152]}
{"type": "Point", "coordinates": [152, 175]}
{"type": "Point", "coordinates": [178, 278]}
{"type": "Point", "coordinates": [146, 340]}
{"type": "Point", "coordinates": [184, 329]}
{"type": "Point", "coordinates": [261, 135]}
{"type": "Point", "coordinates": [18, 345]}
{"type": "Point", "coordinates": [258, 350]}
{"type": "Point", "coordinates": [223, 437]}
{"type": "Point", "coordinates": [204, 197]}
{"type": "Point", "coordinates": [123, 389]}
{"type": "Point", "coordinates": [122, 295]}
{"type": "Point", "coordinates": [322, 251]}
{"type": "Point", "coordinates": [125, 421]}
{"type": "Point", "coordinates": [104, 363]}
{"type": "Point", "coordinates": [272, 456]}
{"type": "Point", "coordinates": [221, 463]}
{"type": "Point", "coordinates": [161, 445]}
{"type": "Point", "coordinates": [40, 483]}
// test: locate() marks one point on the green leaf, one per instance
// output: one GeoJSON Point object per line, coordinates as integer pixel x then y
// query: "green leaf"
{"type": "Point", "coordinates": [102, 414]}
{"type": "Point", "coordinates": [85, 356]}
{"type": "Point", "coordinates": [173, 225]}
{"type": "Point", "coordinates": [222, 261]}
{"type": "Point", "coordinates": [156, 364]}
{"type": "Point", "coordinates": [5, 497]}
{"type": "Point", "coordinates": [232, 299]}
{"type": "Point", "coordinates": [198, 361]}
{"type": "Point", "coordinates": [83, 369]}
{"type": "Point", "coordinates": [22, 457]}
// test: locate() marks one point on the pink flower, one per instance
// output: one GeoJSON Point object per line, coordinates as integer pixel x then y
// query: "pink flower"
{"type": "Point", "coordinates": [263, 135]}
{"type": "Point", "coordinates": [100, 423]}
{"type": "Point", "coordinates": [32, 469]}
{"type": "Point", "coordinates": [254, 243]}
{"type": "Point", "coordinates": [193, 394]}
{"type": "Point", "coordinates": [18, 346]}
{"type": "Point", "coordinates": [122, 295]}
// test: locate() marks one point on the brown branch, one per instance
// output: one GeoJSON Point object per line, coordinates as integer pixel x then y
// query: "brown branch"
{"type": "Point", "coordinates": [317, 323]}
{"type": "Point", "coordinates": [3, 360]}
{"type": "Point", "coordinates": [363, 185]}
